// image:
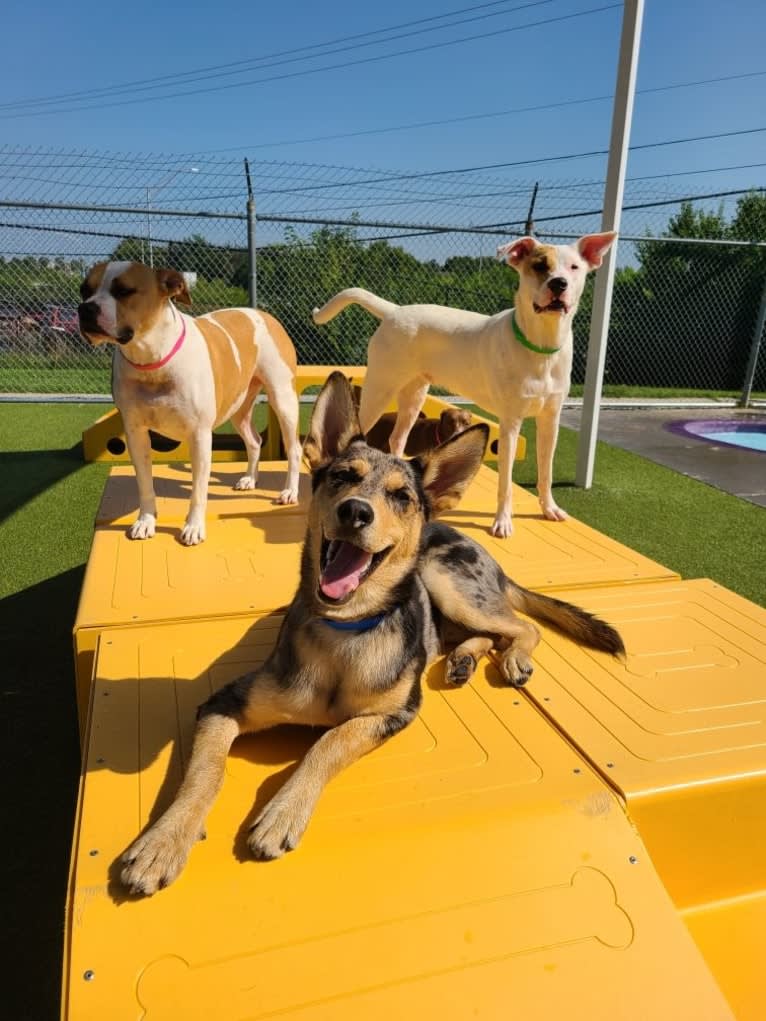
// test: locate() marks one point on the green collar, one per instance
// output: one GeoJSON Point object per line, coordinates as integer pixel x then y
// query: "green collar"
{"type": "Point", "coordinates": [527, 343]}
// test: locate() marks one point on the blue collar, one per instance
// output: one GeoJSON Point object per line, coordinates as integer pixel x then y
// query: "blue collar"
{"type": "Point", "coordinates": [365, 624]}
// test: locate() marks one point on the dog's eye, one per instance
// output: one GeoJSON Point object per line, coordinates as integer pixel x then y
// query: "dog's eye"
{"type": "Point", "coordinates": [574, 266]}
{"type": "Point", "coordinates": [344, 477]}
{"type": "Point", "coordinates": [401, 496]}
{"type": "Point", "coordinates": [540, 267]}
{"type": "Point", "coordinates": [85, 290]}
{"type": "Point", "coordinates": [121, 291]}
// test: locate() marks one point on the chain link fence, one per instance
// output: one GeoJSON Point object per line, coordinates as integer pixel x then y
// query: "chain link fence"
{"type": "Point", "coordinates": [689, 297]}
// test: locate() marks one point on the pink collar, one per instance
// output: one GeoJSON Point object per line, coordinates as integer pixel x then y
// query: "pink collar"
{"type": "Point", "coordinates": [148, 366]}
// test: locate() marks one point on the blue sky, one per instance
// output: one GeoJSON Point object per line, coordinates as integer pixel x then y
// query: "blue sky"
{"type": "Point", "coordinates": [53, 48]}
{"type": "Point", "coordinates": [559, 60]}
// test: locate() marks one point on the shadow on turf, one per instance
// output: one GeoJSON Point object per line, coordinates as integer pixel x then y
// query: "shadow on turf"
{"type": "Point", "coordinates": [27, 473]}
{"type": "Point", "coordinates": [40, 750]}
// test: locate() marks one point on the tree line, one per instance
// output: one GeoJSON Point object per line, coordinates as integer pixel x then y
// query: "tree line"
{"type": "Point", "coordinates": [683, 315]}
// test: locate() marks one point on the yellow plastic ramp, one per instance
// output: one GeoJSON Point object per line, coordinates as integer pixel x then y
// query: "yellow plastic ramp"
{"type": "Point", "coordinates": [547, 555]}
{"type": "Point", "coordinates": [249, 561]}
{"type": "Point", "coordinates": [679, 730]}
{"type": "Point", "coordinates": [475, 866]}
{"type": "Point", "coordinates": [172, 487]}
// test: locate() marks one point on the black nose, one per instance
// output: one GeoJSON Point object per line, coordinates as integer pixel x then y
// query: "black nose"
{"type": "Point", "coordinates": [558, 284]}
{"type": "Point", "coordinates": [355, 513]}
{"type": "Point", "coordinates": [87, 310]}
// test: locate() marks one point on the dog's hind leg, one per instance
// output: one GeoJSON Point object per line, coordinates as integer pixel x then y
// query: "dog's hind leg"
{"type": "Point", "coordinates": [284, 401]}
{"type": "Point", "coordinates": [242, 420]}
{"type": "Point", "coordinates": [471, 591]}
{"type": "Point", "coordinates": [409, 400]}
{"type": "Point", "coordinates": [381, 384]}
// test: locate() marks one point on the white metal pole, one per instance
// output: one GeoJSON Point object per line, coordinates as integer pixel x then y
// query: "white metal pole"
{"type": "Point", "coordinates": [622, 114]}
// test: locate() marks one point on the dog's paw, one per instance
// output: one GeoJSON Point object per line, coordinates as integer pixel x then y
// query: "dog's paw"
{"type": "Point", "coordinates": [193, 533]}
{"type": "Point", "coordinates": [515, 667]}
{"type": "Point", "coordinates": [143, 527]}
{"type": "Point", "coordinates": [288, 496]}
{"type": "Point", "coordinates": [277, 829]}
{"type": "Point", "coordinates": [246, 482]}
{"type": "Point", "coordinates": [459, 669]}
{"type": "Point", "coordinates": [502, 526]}
{"type": "Point", "coordinates": [553, 512]}
{"type": "Point", "coordinates": [154, 860]}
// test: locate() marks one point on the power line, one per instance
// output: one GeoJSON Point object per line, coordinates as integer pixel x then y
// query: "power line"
{"type": "Point", "coordinates": [128, 86]}
{"type": "Point", "coordinates": [483, 116]}
{"type": "Point", "coordinates": [316, 70]}
{"type": "Point", "coordinates": [516, 163]}
{"type": "Point", "coordinates": [201, 74]}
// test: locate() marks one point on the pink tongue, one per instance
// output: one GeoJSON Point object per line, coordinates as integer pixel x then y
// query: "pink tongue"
{"type": "Point", "coordinates": [342, 574]}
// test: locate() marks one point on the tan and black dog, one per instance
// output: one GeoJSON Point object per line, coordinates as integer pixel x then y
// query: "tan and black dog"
{"type": "Point", "coordinates": [425, 434]}
{"type": "Point", "coordinates": [381, 588]}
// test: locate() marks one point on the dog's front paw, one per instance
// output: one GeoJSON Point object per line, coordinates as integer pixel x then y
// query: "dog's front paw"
{"type": "Point", "coordinates": [143, 527]}
{"type": "Point", "coordinates": [154, 860]}
{"type": "Point", "coordinates": [288, 496]}
{"type": "Point", "coordinates": [515, 667]}
{"type": "Point", "coordinates": [502, 526]}
{"type": "Point", "coordinates": [554, 513]}
{"type": "Point", "coordinates": [278, 828]}
{"type": "Point", "coordinates": [460, 669]}
{"type": "Point", "coordinates": [193, 533]}
{"type": "Point", "coordinates": [246, 482]}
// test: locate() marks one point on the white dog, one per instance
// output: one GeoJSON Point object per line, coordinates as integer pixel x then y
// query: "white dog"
{"type": "Point", "coordinates": [183, 376]}
{"type": "Point", "coordinates": [516, 364]}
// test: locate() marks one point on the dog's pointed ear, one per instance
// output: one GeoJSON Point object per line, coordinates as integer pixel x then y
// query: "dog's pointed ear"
{"type": "Point", "coordinates": [174, 285]}
{"type": "Point", "coordinates": [334, 421]}
{"type": "Point", "coordinates": [593, 247]}
{"type": "Point", "coordinates": [448, 470]}
{"type": "Point", "coordinates": [515, 251]}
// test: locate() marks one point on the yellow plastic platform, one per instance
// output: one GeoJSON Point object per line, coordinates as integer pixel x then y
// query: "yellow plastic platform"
{"type": "Point", "coordinates": [476, 866]}
{"type": "Point", "coordinates": [679, 731]}
{"type": "Point", "coordinates": [249, 561]}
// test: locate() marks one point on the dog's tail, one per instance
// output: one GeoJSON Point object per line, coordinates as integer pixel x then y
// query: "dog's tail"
{"type": "Point", "coordinates": [379, 307]}
{"type": "Point", "coordinates": [570, 620]}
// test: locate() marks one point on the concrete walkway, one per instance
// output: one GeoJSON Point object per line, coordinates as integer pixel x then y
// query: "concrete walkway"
{"type": "Point", "coordinates": [644, 431]}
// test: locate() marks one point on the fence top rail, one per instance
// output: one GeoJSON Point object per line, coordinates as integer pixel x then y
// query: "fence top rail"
{"type": "Point", "coordinates": [131, 210]}
{"type": "Point", "coordinates": [427, 228]}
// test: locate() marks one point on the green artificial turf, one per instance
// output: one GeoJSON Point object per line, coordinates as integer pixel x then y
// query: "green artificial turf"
{"type": "Point", "coordinates": [691, 527]}
{"type": "Point", "coordinates": [48, 499]}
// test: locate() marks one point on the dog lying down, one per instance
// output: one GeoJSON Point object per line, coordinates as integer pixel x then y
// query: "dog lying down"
{"type": "Point", "coordinates": [382, 589]}
{"type": "Point", "coordinates": [425, 434]}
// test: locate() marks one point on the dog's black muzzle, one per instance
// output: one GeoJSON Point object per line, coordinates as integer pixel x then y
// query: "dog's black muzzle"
{"type": "Point", "coordinates": [87, 313]}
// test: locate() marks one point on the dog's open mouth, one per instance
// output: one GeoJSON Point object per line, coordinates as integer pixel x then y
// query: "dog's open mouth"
{"type": "Point", "coordinates": [556, 305]}
{"type": "Point", "coordinates": [344, 567]}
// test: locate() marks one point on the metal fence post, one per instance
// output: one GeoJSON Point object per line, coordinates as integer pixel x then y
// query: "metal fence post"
{"type": "Point", "coordinates": [630, 44]}
{"type": "Point", "coordinates": [252, 287]}
{"type": "Point", "coordinates": [755, 348]}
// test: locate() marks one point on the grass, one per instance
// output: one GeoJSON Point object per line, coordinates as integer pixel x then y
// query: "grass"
{"type": "Point", "coordinates": [48, 500]}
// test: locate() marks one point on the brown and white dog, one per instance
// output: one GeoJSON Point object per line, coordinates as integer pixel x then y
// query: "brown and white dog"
{"type": "Point", "coordinates": [516, 364]}
{"type": "Point", "coordinates": [425, 434]}
{"type": "Point", "coordinates": [182, 376]}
